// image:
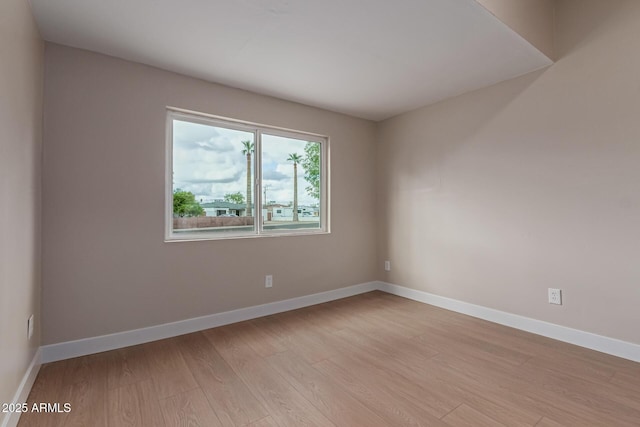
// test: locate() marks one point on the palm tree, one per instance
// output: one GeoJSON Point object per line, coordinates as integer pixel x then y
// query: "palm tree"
{"type": "Point", "coordinates": [295, 158]}
{"type": "Point", "coordinates": [247, 150]}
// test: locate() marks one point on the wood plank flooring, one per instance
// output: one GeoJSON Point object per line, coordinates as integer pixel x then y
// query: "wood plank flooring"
{"type": "Point", "coordinates": [370, 360]}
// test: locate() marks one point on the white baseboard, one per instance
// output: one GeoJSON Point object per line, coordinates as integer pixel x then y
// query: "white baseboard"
{"type": "Point", "coordinates": [11, 418]}
{"type": "Point", "coordinates": [82, 347]}
{"type": "Point", "coordinates": [600, 343]}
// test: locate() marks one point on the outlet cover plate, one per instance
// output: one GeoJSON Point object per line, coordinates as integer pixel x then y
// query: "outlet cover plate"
{"type": "Point", "coordinates": [555, 296]}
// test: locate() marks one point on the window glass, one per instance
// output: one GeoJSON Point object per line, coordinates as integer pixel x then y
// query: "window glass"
{"type": "Point", "coordinates": [291, 183]}
{"type": "Point", "coordinates": [212, 185]}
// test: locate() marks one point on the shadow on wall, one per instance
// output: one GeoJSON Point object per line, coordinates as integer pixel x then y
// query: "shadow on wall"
{"type": "Point", "coordinates": [584, 26]}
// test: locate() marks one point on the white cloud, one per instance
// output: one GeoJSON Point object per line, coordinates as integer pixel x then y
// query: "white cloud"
{"type": "Point", "coordinates": [208, 161]}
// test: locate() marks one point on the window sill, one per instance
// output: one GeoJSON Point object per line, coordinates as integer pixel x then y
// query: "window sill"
{"type": "Point", "coordinates": [197, 237]}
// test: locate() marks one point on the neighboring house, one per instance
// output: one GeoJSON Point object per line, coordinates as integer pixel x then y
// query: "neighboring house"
{"type": "Point", "coordinates": [220, 208]}
{"type": "Point", "coordinates": [274, 210]}
{"type": "Point", "coordinates": [279, 212]}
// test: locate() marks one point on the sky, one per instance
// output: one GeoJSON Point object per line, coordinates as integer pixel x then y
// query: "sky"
{"type": "Point", "coordinates": [208, 162]}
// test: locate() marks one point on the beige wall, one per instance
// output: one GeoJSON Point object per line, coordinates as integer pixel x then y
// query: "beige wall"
{"type": "Point", "coordinates": [106, 267]}
{"type": "Point", "coordinates": [532, 19]}
{"type": "Point", "coordinates": [496, 195]}
{"type": "Point", "coordinates": [20, 164]}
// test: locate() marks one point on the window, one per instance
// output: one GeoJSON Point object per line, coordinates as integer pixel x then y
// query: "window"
{"type": "Point", "coordinates": [227, 178]}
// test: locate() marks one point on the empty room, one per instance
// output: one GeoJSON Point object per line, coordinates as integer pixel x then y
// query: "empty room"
{"type": "Point", "coordinates": [332, 213]}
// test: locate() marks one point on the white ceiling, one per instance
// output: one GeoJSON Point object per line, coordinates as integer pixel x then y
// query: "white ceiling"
{"type": "Point", "coordinates": [367, 58]}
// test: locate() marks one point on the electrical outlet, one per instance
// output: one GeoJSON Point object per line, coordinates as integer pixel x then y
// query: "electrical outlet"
{"type": "Point", "coordinates": [30, 327]}
{"type": "Point", "coordinates": [387, 266]}
{"type": "Point", "coordinates": [268, 281]}
{"type": "Point", "coordinates": [555, 296]}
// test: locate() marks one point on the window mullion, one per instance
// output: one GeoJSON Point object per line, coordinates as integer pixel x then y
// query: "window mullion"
{"type": "Point", "coordinates": [257, 182]}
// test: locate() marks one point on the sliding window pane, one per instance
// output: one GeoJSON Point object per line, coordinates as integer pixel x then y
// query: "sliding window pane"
{"type": "Point", "coordinates": [212, 180]}
{"type": "Point", "coordinates": [291, 183]}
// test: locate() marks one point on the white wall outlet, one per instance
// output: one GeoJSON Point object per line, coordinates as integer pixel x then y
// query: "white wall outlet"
{"type": "Point", "coordinates": [387, 266]}
{"type": "Point", "coordinates": [30, 327]}
{"type": "Point", "coordinates": [555, 296]}
{"type": "Point", "coordinates": [268, 281]}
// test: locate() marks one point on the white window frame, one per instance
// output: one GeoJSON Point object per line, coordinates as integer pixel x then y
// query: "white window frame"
{"type": "Point", "coordinates": [258, 130]}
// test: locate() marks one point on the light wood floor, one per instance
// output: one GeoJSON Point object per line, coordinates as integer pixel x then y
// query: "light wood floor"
{"type": "Point", "coordinates": [370, 360]}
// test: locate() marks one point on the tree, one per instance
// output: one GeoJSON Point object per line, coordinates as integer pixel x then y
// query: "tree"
{"type": "Point", "coordinates": [185, 204]}
{"type": "Point", "coordinates": [237, 198]}
{"type": "Point", "coordinates": [295, 158]}
{"type": "Point", "coordinates": [311, 165]}
{"type": "Point", "coordinates": [247, 151]}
